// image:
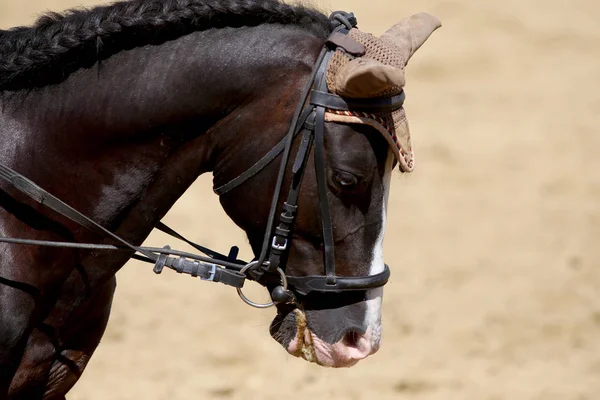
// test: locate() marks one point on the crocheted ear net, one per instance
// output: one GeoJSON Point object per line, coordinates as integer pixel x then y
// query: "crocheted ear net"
{"type": "Point", "coordinates": [393, 125]}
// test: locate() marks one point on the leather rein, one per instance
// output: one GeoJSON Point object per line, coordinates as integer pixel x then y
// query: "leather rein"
{"type": "Point", "coordinates": [309, 119]}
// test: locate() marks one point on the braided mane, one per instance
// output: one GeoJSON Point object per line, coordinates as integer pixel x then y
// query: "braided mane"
{"type": "Point", "coordinates": [61, 43]}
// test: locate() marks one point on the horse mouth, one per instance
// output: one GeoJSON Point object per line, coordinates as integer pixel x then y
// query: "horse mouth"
{"type": "Point", "coordinates": [306, 345]}
{"type": "Point", "coordinates": [303, 344]}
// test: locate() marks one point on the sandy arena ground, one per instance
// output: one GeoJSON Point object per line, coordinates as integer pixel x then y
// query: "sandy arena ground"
{"type": "Point", "coordinates": [493, 241]}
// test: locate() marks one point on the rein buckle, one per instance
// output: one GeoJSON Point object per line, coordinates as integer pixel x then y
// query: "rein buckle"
{"type": "Point", "coordinates": [213, 272]}
{"type": "Point", "coordinates": [279, 247]}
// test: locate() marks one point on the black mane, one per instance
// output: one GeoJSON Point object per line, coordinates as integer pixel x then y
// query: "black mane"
{"type": "Point", "coordinates": [59, 44]}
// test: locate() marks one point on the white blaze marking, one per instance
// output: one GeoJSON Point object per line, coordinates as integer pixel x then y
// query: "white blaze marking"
{"type": "Point", "coordinates": [375, 296]}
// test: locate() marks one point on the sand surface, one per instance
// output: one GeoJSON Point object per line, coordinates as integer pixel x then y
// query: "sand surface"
{"type": "Point", "coordinates": [493, 241]}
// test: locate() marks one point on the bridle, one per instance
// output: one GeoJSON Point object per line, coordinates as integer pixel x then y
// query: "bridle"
{"type": "Point", "coordinates": [270, 266]}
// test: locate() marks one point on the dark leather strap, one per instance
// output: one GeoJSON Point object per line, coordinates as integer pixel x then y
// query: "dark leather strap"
{"type": "Point", "coordinates": [282, 237]}
{"type": "Point", "coordinates": [233, 253]}
{"type": "Point", "coordinates": [328, 245]}
{"type": "Point", "coordinates": [200, 266]}
{"type": "Point", "coordinates": [43, 197]}
{"type": "Point", "coordinates": [263, 162]}
{"type": "Point", "coordinates": [285, 158]}
{"type": "Point", "coordinates": [350, 46]}
{"type": "Point", "coordinates": [307, 284]}
{"type": "Point", "coordinates": [378, 105]}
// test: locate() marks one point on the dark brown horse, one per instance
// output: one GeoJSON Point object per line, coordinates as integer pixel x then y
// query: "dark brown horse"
{"type": "Point", "coordinates": [117, 110]}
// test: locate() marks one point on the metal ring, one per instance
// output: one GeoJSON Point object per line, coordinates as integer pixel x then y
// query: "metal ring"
{"type": "Point", "coordinates": [250, 302]}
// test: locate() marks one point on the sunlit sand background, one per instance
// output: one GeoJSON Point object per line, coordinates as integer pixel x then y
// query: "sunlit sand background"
{"type": "Point", "coordinates": [493, 240]}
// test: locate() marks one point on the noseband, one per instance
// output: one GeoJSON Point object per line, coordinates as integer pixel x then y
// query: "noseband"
{"type": "Point", "coordinates": [270, 266]}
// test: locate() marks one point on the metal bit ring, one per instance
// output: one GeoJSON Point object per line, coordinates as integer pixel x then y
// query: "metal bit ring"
{"type": "Point", "coordinates": [246, 300]}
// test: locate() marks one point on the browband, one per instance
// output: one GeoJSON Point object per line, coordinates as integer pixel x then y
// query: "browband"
{"type": "Point", "coordinates": [335, 102]}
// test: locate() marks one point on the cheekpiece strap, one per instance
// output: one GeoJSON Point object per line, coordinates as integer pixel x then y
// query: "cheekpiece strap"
{"type": "Point", "coordinates": [339, 40]}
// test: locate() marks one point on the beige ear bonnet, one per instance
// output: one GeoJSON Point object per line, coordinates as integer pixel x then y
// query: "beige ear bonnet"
{"type": "Point", "coordinates": [380, 73]}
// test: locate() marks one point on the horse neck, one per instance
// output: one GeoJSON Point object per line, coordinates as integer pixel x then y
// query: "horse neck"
{"type": "Point", "coordinates": [123, 140]}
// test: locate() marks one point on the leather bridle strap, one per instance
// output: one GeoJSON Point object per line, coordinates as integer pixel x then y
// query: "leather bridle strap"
{"type": "Point", "coordinates": [283, 231]}
{"type": "Point", "coordinates": [326, 224]}
{"type": "Point", "coordinates": [316, 283]}
{"type": "Point", "coordinates": [262, 163]}
{"type": "Point", "coordinates": [38, 194]}
{"type": "Point", "coordinates": [199, 266]}
{"type": "Point", "coordinates": [284, 161]}
{"type": "Point", "coordinates": [233, 252]}
{"type": "Point", "coordinates": [335, 102]}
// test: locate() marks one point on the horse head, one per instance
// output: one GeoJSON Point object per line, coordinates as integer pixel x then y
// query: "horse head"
{"type": "Point", "coordinates": [113, 112]}
{"type": "Point", "coordinates": [328, 325]}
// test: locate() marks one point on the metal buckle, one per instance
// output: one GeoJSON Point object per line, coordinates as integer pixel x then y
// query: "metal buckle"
{"type": "Point", "coordinates": [246, 300]}
{"type": "Point", "coordinates": [279, 247]}
{"type": "Point", "coordinates": [213, 272]}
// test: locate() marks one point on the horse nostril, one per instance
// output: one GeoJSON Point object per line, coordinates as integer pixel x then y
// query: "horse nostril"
{"type": "Point", "coordinates": [351, 338]}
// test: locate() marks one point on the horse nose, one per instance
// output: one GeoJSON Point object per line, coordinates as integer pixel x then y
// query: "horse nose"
{"type": "Point", "coordinates": [353, 347]}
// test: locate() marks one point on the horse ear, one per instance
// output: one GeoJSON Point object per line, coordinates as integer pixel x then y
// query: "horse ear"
{"type": "Point", "coordinates": [365, 78]}
{"type": "Point", "coordinates": [410, 33]}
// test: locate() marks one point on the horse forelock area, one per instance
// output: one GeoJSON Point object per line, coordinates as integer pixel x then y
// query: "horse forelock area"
{"type": "Point", "coordinates": [59, 44]}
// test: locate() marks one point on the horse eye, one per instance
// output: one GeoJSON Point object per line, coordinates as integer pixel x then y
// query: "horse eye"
{"type": "Point", "coordinates": [345, 179]}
